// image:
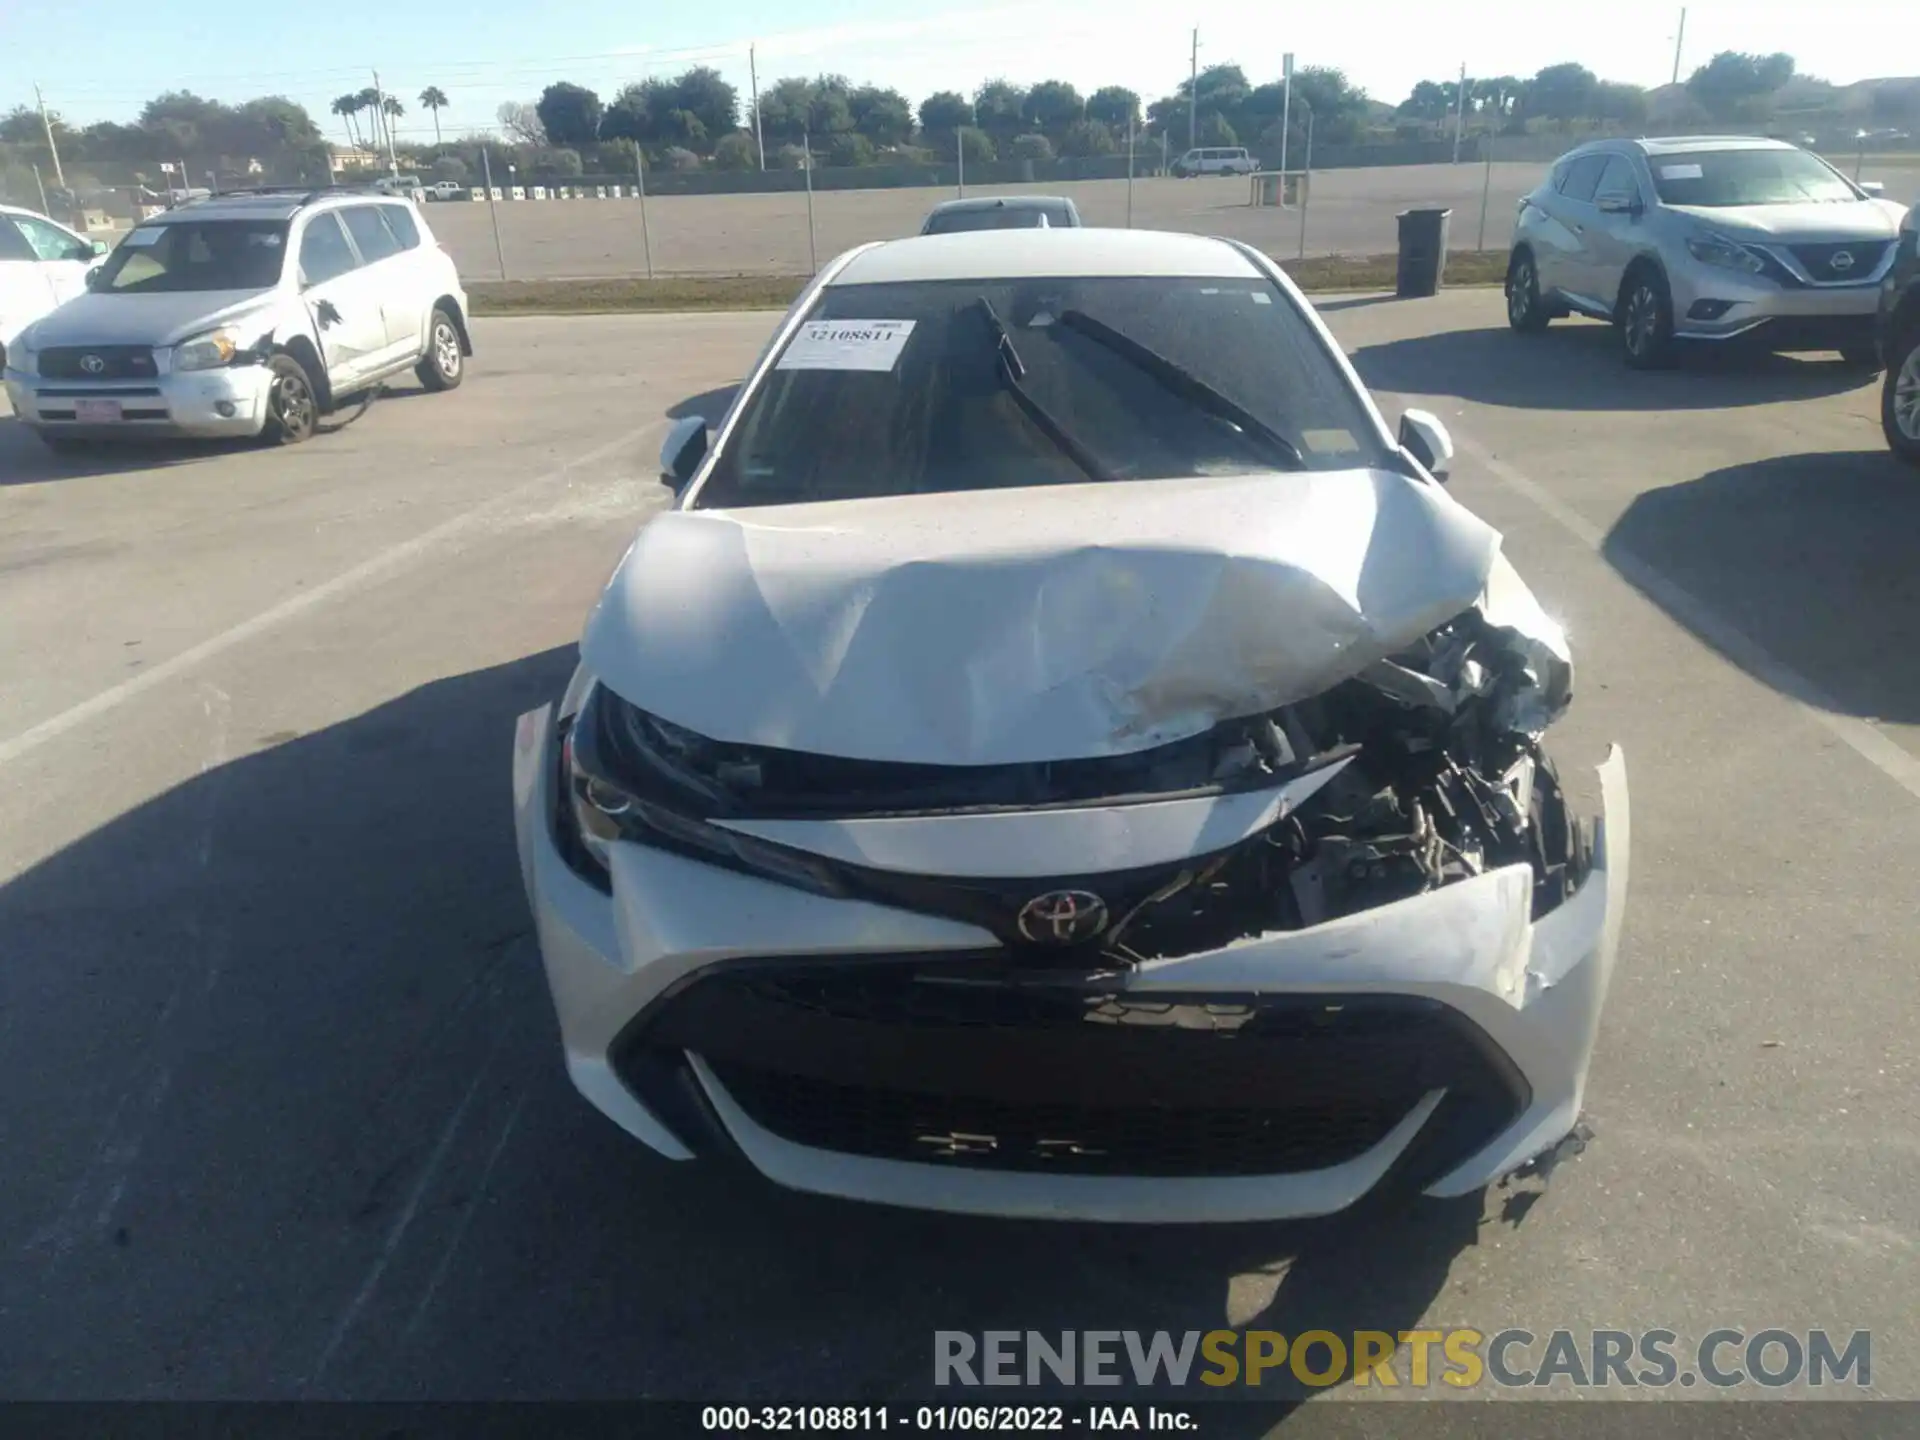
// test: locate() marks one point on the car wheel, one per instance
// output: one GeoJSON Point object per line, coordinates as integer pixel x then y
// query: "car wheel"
{"type": "Point", "coordinates": [1646, 322]}
{"type": "Point", "coordinates": [1864, 356]}
{"type": "Point", "coordinates": [1526, 312]}
{"type": "Point", "coordinates": [292, 409]}
{"type": "Point", "coordinates": [443, 365]}
{"type": "Point", "coordinates": [1900, 398]}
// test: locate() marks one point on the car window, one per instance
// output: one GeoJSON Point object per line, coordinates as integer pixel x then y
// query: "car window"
{"type": "Point", "coordinates": [185, 255]}
{"type": "Point", "coordinates": [1617, 178]}
{"type": "Point", "coordinates": [910, 395]}
{"type": "Point", "coordinates": [997, 217]}
{"type": "Point", "coordinates": [370, 233]}
{"type": "Point", "coordinates": [1716, 178]}
{"type": "Point", "coordinates": [400, 221]}
{"type": "Point", "coordinates": [324, 252]}
{"type": "Point", "coordinates": [13, 244]}
{"type": "Point", "coordinates": [1583, 176]}
{"type": "Point", "coordinates": [50, 242]}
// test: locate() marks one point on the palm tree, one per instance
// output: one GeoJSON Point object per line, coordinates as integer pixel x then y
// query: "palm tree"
{"type": "Point", "coordinates": [369, 99]}
{"type": "Point", "coordinates": [346, 107]}
{"type": "Point", "coordinates": [433, 97]}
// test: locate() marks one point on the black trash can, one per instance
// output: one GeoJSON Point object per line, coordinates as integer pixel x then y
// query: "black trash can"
{"type": "Point", "coordinates": [1423, 252]}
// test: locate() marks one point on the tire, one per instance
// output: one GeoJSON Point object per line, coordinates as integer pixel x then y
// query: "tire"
{"type": "Point", "coordinates": [1527, 313]}
{"type": "Point", "coordinates": [1645, 321]}
{"type": "Point", "coordinates": [443, 366]}
{"type": "Point", "coordinates": [1863, 356]}
{"type": "Point", "coordinates": [293, 410]}
{"type": "Point", "coordinates": [1900, 397]}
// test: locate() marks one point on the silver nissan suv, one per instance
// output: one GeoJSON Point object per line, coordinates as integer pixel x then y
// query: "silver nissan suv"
{"type": "Point", "coordinates": [1711, 238]}
{"type": "Point", "coordinates": [244, 314]}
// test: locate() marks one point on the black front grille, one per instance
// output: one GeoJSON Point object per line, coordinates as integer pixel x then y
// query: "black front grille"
{"type": "Point", "coordinates": [1071, 1139]}
{"type": "Point", "coordinates": [979, 1062]}
{"type": "Point", "coordinates": [98, 362]}
{"type": "Point", "coordinates": [1863, 257]}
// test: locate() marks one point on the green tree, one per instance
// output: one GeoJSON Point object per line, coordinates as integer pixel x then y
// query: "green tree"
{"type": "Point", "coordinates": [1737, 86]}
{"type": "Point", "coordinates": [976, 145]}
{"type": "Point", "coordinates": [435, 99]}
{"type": "Point", "coordinates": [1051, 106]}
{"type": "Point", "coordinates": [736, 151]}
{"type": "Point", "coordinates": [1339, 107]}
{"type": "Point", "coordinates": [569, 114]}
{"type": "Point", "coordinates": [1031, 147]}
{"type": "Point", "coordinates": [996, 109]}
{"type": "Point", "coordinates": [706, 96]}
{"type": "Point", "coordinates": [1113, 106]}
{"type": "Point", "coordinates": [849, 148]}
{"type": "Point", "coordinates": [450, 167]}
{"type": "Point", "coordinates": [882, 116]}
{"type": "Point", "coordinates": [1214, 130]}
{"type": "Point", "coordinates": [347, 107]}
{"type": "Point", "coordinates": [943, 113]}
{"type": "Point", "coordinates": [1563, 92]}
{"type": "Point", "coordinates": [1085, 138]}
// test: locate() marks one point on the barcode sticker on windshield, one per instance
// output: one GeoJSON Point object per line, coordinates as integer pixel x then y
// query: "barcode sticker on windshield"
{"type": "Point", "coordinates": [1681, 172]}
{"type": "Point", "coordinates": [146, 235]}
{"type": "Point", "coordinates": [847, 345]}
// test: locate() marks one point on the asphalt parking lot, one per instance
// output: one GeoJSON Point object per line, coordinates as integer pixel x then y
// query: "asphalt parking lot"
{"type": "Point", "coordinates": [286, 1112]}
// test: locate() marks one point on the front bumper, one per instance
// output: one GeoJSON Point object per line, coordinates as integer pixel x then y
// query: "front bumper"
{"type": "Point", "coordinates": [1777, 311]}
{"type": "Point", "coordinates": [189, 403]}
{"type": "Point", "coordinates": [1484, 1017]}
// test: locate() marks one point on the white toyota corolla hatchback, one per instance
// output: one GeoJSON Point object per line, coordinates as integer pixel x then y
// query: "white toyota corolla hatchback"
{"type": "Point", "coordinates": [1062, 754]}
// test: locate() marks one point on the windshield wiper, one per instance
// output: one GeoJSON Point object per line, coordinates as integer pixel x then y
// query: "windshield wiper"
{"type": "Point", "coordinates": [1183, 382]}
{"type": "Point", "coordinates": [1012, 372]}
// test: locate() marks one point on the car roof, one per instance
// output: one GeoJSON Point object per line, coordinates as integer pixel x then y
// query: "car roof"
{"type": "Point", "coordinates": [1002, 202]}
{"type": "Point", "coordinates": [1673, 144]}
{"type": "Point", "coordinates": [1026, 254]}
{"type": "Point", "coordinates": [277, 205]}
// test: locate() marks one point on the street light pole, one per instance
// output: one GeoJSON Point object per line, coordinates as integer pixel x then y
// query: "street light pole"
{"type": "Point", "coordinates": [1193, 93]}
{"type": "Point", "coordinates": [753, 79]}
{"type": "Point", "coordinates": [1679, 39]}
{"type": "Point", "coordinates": [1459, 111]}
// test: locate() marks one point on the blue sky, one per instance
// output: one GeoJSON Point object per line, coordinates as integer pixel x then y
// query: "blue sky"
{"type": "Point", "coordinates": [101, 63]}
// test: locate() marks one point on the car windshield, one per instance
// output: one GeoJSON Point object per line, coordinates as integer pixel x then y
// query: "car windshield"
{"type": "Point", "coordinates": [1721, 178]}
{"type": "Point", "coordinates": [939, 386]}
{"type": "Point", "coordinates": [197, 255]}
{"type": "Point", "coordinates": [997, 217]}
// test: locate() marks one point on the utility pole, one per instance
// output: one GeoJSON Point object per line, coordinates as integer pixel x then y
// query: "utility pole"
{"type": "Point", "coordinates": [1193, 93]}
{"type": "Point", "coordinates": [59, 175]}
{"type": "Point", "coordinates": [386, 123]}
{"type": "Point", "coordinates": [753, 80]}
{"type": "Point", "coordinates": [1459, 111]}
{"type": "Point", "coordinates": [1679, 39]}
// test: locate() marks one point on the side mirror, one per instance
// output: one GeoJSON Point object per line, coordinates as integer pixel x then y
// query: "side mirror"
{"type": "Point", "coordinates": [682, 451]}
{"type": "Point", "coordinates": [1619, 202]}
{"type": "Point", "coordinates": [1425, 438]}
{"type": "Point", "coordinates": [1874, 188]}
{"type": "Point", "coordinates": [98, 247]}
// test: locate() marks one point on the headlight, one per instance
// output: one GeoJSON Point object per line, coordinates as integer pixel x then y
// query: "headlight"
{"type": "Point", "coordinates": [22, 355]}
{"type": "Point", "coordinates": [622, 786]}
{"type": "Point", "coordinates": [207, 352]}
{"type": "Point", "coordinates": [1728, 254]}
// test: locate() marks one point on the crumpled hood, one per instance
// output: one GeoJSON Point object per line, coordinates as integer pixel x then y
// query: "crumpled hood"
{"type": "Point", "coordinates": [161, 318]}
{"type": "Point", "coordinates": [1800, 224]}
{"type": "Point", "coordinates": [1000, 627]}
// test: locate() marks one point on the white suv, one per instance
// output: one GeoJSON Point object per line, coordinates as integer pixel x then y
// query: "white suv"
{"type": "Point", "coordinates": [241, 315]}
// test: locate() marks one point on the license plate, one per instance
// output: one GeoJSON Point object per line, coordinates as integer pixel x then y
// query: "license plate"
{"type": "Point", "coordinates": [97, 412]}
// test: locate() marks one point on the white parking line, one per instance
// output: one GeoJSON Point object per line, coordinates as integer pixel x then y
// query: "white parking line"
{"type": "Point", "coordinates": [378, 567]}
{"type": "Point", "coordinates": [1864, 739]}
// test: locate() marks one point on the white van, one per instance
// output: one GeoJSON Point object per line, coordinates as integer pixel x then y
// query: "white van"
{"type": "Point", "coordinates": [1217, 160]}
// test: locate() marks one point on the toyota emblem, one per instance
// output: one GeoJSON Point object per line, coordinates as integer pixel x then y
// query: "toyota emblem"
{"type": "Point", "coordinates": [1062, 917]}
{"type": "Point", "coordinates": [92, 364]}
{"type": "Point", "coordinates": [1842, 260]}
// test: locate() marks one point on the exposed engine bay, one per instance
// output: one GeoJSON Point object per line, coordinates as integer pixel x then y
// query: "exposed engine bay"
{"type": "Point", "coordinates": [1433, 770]}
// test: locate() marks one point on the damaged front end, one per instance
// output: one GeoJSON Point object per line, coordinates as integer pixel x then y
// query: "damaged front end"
{"type": "Point", "coordinates": [1422, 769]}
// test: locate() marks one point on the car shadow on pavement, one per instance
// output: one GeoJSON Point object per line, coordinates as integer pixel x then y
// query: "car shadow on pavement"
{"type": "Point", "coordinates": [1576, 365]}
{"type": "Point", "coordinates": [299, 1126]}
{"type": "Point", "coordinates": [1808, 557]}
{"type": "Point", "coordinates": [710, 405]}
{"type": "Point", "coordinates": [26, 460]}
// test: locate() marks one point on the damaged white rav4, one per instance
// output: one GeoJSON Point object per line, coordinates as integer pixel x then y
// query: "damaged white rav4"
{"type": "Point", "coordinates": [1062, 756]}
